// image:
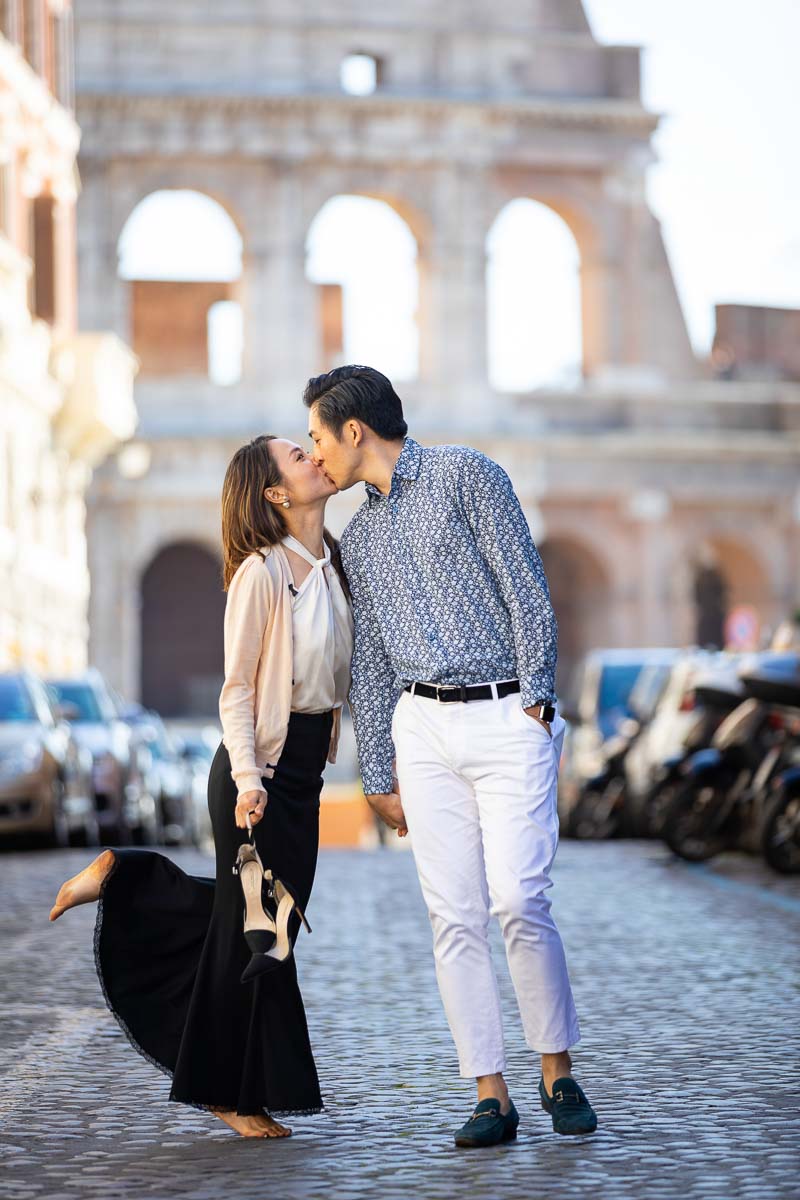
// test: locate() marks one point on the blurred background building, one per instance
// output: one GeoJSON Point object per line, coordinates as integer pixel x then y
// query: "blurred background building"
{"type": "Point", "coordinates": [240, 166]}
{"type": "Point", "coordinates": [66, 398]}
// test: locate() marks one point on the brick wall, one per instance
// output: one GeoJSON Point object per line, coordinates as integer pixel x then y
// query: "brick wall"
{"type": "Point", "coordinates": [170, 324]}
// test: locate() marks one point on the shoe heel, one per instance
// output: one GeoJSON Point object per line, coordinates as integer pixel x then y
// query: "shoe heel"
{"type": "Point", "coordinates": [289, 891]}
{"type": "Point", "coordinates": [302, 916]}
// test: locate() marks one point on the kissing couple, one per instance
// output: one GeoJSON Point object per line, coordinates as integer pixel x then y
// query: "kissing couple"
{"type": "Point", "coordinates": [432, 618]}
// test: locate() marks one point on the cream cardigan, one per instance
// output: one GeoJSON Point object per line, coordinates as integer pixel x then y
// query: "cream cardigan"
{"type": "Point", "coordinates": [256, 697]}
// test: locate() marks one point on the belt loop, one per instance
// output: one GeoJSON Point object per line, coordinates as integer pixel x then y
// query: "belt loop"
{"type": "Point", "coordinates": [413, 687]}
{"type": "Point", "coordinates": [493, 686]}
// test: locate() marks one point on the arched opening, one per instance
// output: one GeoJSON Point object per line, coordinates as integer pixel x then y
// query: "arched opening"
{"type": "Point", "coordinates": [182, 609]}
{"type": "Point", "coordinates": [533, 300]}
{"type": "Point", "coordinates": [579, 590]}
{"type": "Point", "coordinates": [182, 254]}
{"type": "Point", "coordinates": [363, 257]}
{"type": "Point", "coordinates": [727, 576]}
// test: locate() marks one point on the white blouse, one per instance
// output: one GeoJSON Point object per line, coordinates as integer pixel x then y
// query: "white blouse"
{"type": "Point", "coordinates": [322, 633]}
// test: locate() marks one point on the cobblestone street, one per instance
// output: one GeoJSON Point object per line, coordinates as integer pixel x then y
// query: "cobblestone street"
{"type": "Point", "coordinates": [686, 982]}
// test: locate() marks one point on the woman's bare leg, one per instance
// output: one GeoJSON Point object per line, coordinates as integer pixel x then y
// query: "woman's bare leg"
{"type": "Point", "coordinates": [254, 1126]}
{"type": "Point", "coordinates": [83, 887]}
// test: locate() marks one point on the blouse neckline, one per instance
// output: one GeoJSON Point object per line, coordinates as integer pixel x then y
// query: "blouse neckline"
{"type": "Point", "coordinates": [316, 564]}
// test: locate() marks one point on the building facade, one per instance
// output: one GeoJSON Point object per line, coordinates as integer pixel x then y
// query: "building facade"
{"type": "Point", "coordinates": [66, 398]}
{"type": "Point", "coordinates": [651, 472]}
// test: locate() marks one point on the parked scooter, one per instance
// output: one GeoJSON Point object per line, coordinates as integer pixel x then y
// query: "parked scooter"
{"type": "Point", "coordinates": [711, 699]}
{"type": "Point", "coordinates": [780, 835]}
{"type": "Point", "coordinates": [599, 811]}
{"type": "Point", "coordinates": [726, 798]}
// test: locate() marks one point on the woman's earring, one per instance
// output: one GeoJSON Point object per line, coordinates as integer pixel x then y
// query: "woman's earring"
{"type": "Point", "coordinates": [286, 503]}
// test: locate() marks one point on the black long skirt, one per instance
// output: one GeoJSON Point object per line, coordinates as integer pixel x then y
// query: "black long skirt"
{"type": "Point", "coordinates": [170, 949]}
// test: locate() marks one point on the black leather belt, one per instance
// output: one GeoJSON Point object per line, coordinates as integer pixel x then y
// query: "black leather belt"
{"type": "Point", "coordinates": [445, 693]}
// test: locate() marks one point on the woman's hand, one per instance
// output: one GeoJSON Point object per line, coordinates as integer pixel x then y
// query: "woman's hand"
{"type": "Point", "coordinates": [253, 803]}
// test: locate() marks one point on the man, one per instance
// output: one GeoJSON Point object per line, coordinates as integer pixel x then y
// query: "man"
{"type": "Point", "coordinates": [453, 616]}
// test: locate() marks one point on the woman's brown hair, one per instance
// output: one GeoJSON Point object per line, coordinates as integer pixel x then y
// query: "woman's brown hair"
{"type": "Point", "coordinates": [249, 520]}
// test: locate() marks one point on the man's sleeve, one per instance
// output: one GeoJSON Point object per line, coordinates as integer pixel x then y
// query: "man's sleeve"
{"type": "Point", "coordinates": [502, 534]}
{"type": "Point", "coordinates": [373, 690]}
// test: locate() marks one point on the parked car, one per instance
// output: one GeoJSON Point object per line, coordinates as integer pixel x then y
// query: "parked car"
{"type": "Point", "coordinates": [123, 805]}
{"type": "Point", "coordinates": [197, 747]}
{"type": "Point", "coordinates": [168, 775]}
{"type": "Point", "coordinates": [45, 775]}
{"type": "Point", "coordinates": [603, 706]}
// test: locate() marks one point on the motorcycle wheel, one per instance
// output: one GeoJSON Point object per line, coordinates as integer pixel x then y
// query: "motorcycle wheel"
{"type": "Point", "coordinates": [597, 814]}
{"type": "Point", "coordinates": [780, 840]}
{"type": "Point", "coordinates": [688, 827]}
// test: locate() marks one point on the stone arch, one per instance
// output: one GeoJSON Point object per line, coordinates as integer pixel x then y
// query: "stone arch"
{"type": "Point", "coordinates": [533, 298]}
{"type": "Point", "coordinates": [364, 315]}
{"type": "Point", "coordinates": [182, 606]}
{"type": "Point", "coordinates": [141, 185]}
{"type": "Point", "coordinates": [596, 225]}
{"type": "Point", "coordinates": [580, 590]}
{"type": "Point", "coordinates": [726, 573]}
{"type": "Point", "coordinates": [180, 255]}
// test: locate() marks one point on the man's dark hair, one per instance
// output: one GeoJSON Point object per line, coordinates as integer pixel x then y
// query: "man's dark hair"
{"type": "Point", "coordinates": [360, 394]}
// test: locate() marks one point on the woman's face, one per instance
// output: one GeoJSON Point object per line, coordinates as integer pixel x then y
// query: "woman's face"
{"type": "Point", "coordinates": [303, 481]}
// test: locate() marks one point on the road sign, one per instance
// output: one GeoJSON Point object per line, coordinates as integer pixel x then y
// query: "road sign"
{"type": "Point", "coordinates": [742, 628]}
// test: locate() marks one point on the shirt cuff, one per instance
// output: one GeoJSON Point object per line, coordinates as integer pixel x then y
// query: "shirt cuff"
{"type": "Point", "coordinates": [536, 687]}
{"type": "Point", "coordinates": [249, 782]}
{"type": "Point", "coordinates": [376, 783]}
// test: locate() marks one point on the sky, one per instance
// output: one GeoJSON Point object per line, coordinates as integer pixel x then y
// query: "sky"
{"type": "Point", "coordinates": [725, 187]}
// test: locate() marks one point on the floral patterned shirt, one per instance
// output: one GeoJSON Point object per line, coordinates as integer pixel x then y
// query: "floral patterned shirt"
{"type": "Point", "coordinates": [448, 587]}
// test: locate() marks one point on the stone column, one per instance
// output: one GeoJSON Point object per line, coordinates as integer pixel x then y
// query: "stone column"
{"type": "Point", "coordinates": [280, 311]}
{"type": "Point", "coordinates": [649, 509]}
{"type": "Point", "coordinates": [103, 301]}
{"type": "Point", "coordinates": [452, 313]}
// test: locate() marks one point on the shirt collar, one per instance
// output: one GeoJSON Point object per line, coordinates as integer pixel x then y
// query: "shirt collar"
{"type": "Point", "coordinates": [406, 467]}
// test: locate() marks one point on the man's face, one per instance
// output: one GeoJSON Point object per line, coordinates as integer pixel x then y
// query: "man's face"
{"type": "Point", "coordinates": [339, 458]}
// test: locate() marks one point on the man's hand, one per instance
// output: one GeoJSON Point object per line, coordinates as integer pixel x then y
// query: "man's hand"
{"type": "Point", "coordinates": [544, 724]}
{"type": "Point", "coordinates": [390, 810]}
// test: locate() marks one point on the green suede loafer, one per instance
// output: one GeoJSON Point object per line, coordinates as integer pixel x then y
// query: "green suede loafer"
{"type": "Point", "coordinates": [568, 1106]}
{"type": "Point", "coordinates": [487, 1126]}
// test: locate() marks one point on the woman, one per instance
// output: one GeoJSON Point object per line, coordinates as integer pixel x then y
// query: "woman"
{"type": "Point", "coordinates": [170, 948]}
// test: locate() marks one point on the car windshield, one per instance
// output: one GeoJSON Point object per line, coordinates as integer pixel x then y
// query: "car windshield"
{"type": "Point", "coordinates": [82, 696]}
{"type": "Point", "coordinates": [648, 689]}
{"type": "Point", "coordinates": [616, 685]}
{"type": "Point", "coordinates": [15, 703]}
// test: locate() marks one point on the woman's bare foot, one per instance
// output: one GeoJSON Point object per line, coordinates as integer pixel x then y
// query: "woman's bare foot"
{"type": "Point", "coordinates": [262, 1127]}
{"type": "Point", "coordinates": [83, 887]}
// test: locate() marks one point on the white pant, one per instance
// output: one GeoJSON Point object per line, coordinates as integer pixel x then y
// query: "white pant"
{"type": "Point", "coordinates": [478, 786]}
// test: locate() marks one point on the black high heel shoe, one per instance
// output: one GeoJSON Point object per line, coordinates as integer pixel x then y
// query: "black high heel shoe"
{"type": "Point", "coordinates": [267, 936]}
{"type": "Point", "coordinates": [259, 924]}
{"type": "Point", "coordinates": [283, 896]}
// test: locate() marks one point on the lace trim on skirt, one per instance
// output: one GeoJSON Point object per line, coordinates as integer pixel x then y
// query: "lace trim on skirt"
{"type": "Point", "coordinates": [98, 926]}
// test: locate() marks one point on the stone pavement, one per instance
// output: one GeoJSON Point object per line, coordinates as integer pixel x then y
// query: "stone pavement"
{"type": "Point", "coordinates": [686, 981]}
